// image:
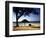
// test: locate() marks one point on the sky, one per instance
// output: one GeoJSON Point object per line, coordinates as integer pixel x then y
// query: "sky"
{"type": "Point", "coordinates": [32, 16]}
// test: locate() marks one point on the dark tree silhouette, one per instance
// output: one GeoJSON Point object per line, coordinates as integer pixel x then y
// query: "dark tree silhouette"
{"type": "Point", "coordinates": [19, 11]}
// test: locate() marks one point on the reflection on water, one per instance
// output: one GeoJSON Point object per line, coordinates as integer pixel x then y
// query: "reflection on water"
{"type": "Point", "coordinates": [26, 26]}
